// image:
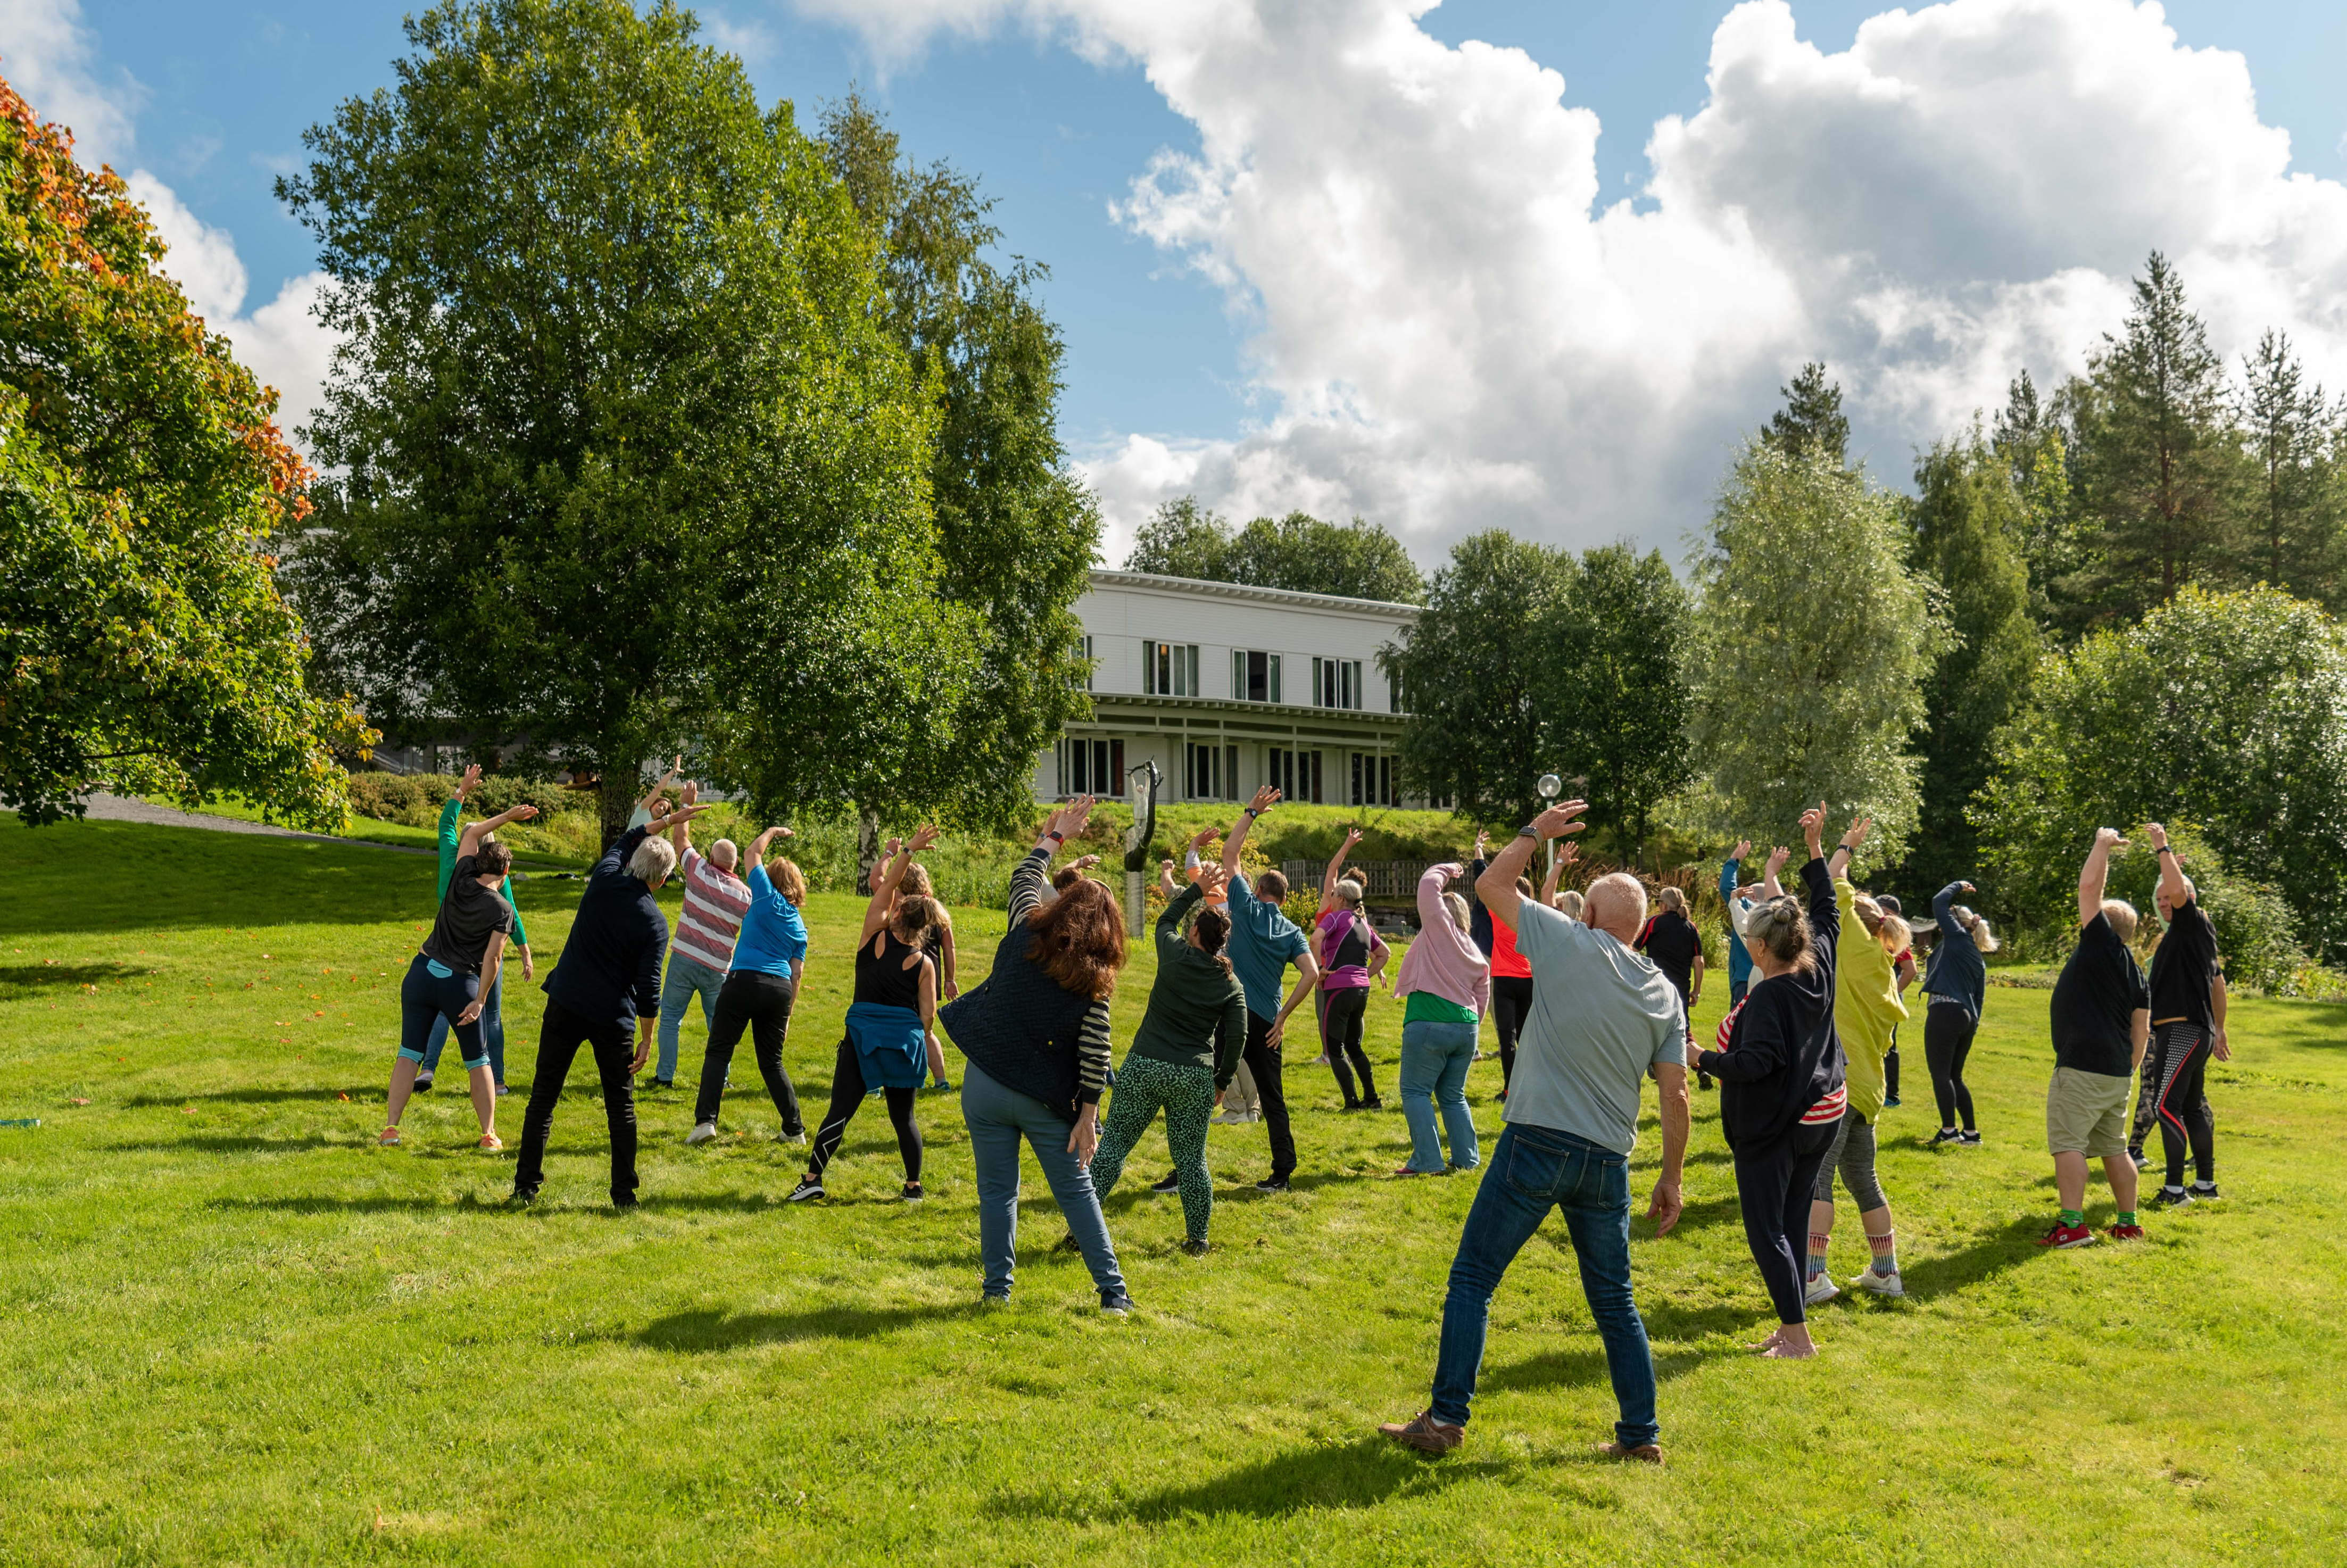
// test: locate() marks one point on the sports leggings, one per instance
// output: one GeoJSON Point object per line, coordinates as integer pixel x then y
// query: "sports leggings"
{"type": "Point", "coordinates": [1340, 1036]}
{"type": "Point", "coordinates": [2187, 1121]}
{"type": "Point", "coordinates": [1948, 1030]}
{"type": "Point", "coordinates": [1511, 1003]}
{"type": "Point", "coordinates": [1852, 1156]}
{"type": "Point", "coordinates": [847, 1090]}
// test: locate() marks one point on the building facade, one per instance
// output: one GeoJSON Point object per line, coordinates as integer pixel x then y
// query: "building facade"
{"type": "Point", "coordinates": [1227, 688]}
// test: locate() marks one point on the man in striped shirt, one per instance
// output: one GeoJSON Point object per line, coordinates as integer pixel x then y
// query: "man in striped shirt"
{"type": "Point", "coordinates": [715, 900]}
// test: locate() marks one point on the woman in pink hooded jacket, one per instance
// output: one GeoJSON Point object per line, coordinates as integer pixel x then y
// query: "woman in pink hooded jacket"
{"type": "Point", "coordinates": [1447, 983]}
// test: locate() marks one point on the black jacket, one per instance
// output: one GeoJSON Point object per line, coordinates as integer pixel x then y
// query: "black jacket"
{"type": "Point", "coordinates": [1783, 1055]}
{"type": "Point", "coordinates": [610, 966]}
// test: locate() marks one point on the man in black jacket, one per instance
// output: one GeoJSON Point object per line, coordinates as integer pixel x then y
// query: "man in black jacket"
{"type": "Point", "coordinates": [607, 976]}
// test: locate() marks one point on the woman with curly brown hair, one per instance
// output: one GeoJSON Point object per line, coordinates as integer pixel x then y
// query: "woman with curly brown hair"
{"type": "Point", "coordinates": [1036, 1035]}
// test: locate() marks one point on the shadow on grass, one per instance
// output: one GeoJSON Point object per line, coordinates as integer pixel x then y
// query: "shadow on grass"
{"type": "Point", "coordinates": [252, 1097]}
{"type": "Point", "coordinates": [715, 1329]}
{"type": "Point", "coordinates": [222, 1144]}
{"type": "Point", "coordinates": [1989, 1253]}
{"type": "Point", "coordinates": [1582, 1369]}
{"type": "Point", "coordinates": [18, 981]}
{"type": "Point", "coordinates": [1362, 1473]}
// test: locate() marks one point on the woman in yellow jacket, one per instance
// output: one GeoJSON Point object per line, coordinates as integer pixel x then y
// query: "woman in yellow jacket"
{"type": "Point", "coordinates": [1867, 1008]}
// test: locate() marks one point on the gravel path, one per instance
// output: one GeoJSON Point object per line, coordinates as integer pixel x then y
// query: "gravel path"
{"type": "Point", "coordinates": [106, 807]}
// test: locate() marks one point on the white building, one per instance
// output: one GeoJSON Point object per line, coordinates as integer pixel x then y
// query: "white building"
{"type": "Point", "coordinates": [1226, 688]}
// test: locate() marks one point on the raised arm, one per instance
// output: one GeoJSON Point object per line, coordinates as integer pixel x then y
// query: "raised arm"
{"type": "Point", "coordinates": [1169, 919]}
{"type": "Point", "coordinates": [1166, 880]}
{"type": "Point", "coordinates": [1265, 799]}
{"type": "Point", "coordinates": [1732, 869]}
{"type": "Point", "coordinates": [1770, 887]}
{"type": "Point", "coordinates": [1031, 875]}
{"type": "Point", "coordinates": [2172, 880]}
{"type": "Point", "coordinates": [453, 811]}
{"type": "Point", "coordinates": [1557, 862]}
{"type": "Point", "coordinates": [1942, 902]}
{"type": "Point", "coordinates": [1335, 868]}
{"type": "Point", "coordinates": [1850, 840]}
{"type": "Point", "coordinates": [1497, 886]}
{"type": "Point", "coordinates": [471, 840]}
{"type": "Point", "coordinates": [757, 855]}
{"type": "Point", "coordinates": [680, 828]}
{"type": "Point", "coordinates": [652, 795]}
{"type": "Point", "coordinates": [892, 874]}
{"type": "Point", "coordinates": [1431, 882]}
{"type": "Point", "coordinates": [2095, 873]}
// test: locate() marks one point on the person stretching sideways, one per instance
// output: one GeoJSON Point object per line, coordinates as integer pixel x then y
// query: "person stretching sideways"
{"type": "Point", "coordinates": [889, 1023]}
{"type": "Point", "coordinates": [1512, 977]}
{"type": "Point", "coordinates": [1867, 1008]}
{"type": "Point", "coordinates": [1351, 954]}
{"type": "Point", "coordinates": [1448, 984]}
{"type": "Point", "coordinates": [607, 979]}
{"type": "Point", "coordinates": [1241, 1104]}
{"type": "Point", "coordinates": [1549, 893]}
{"type": "Point", "coordinates": [493, 1011]}
{"type": "Point", "coordinates": [2101, 1015]}
{"type": "Point", "coordinates": [762, 984]}
{"type": "Point", "coordinates": [701, 951]}
{"type": "Point", "coordinates": [1781, 1076]}
{"type": "Point", "coordinates": [1602, 1018]}
{"type": "Point", "coordinates": [2188, 1010]}
{"type": "Point", "coordinates": [1955, 988]}
{"type": "Point", "coordinates": [1182, 1055]}
{"type": "Point", "coordinates": [452, 976]}
{"type": "Point", "coordinates": [1263, 942]}
{"type": "Point", "coordinates": [1036, 1038]}
{"type": "Point", "coordinates": [1739, 957]}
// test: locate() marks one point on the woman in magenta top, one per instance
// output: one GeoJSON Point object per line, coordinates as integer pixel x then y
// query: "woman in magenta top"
{"type": "Point", "coordinates": [1350, 952]}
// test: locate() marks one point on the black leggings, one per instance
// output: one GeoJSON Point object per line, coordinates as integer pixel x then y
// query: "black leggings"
{"type": "Point", "coordinates": [1511, 1003]}
{"type": "Point", "coordinates": [763, 1003]}
{"type": "Point", "coordinates": [847, 1090]}
{"type": "Point", "coordinates": [1340, 1036]}
{"type": "Point", "coordinates": [1773, 1183]}
{"type": "Point", "coordinates": [1948, 1032]}
{"type": "Point", "coordinates": [2188, 1123]}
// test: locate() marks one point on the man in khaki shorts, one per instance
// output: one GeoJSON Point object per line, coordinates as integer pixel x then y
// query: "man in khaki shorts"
{"type": "Point", "coordinates": [2102, 1021]}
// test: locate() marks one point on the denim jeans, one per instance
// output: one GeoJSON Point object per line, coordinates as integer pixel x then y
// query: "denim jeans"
{"type": "Point", "coordinates": [1434, 1062]}
{"type": "Point", "coordinates": [998, 1118]}
{"type": "Point", "coordinates": [1533, 1170]}
{"type": "Point", "coordinates": [493, 1033]}
{"type": "Point", "coordinates": [687, 977]}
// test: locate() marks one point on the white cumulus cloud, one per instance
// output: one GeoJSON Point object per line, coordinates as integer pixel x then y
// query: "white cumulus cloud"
{"type": "Point", "coordinates": [1450, 328]}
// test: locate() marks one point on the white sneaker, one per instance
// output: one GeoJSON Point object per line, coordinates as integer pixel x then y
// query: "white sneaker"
{"type": "Point", "coordinates": [1230, 1118]}
{"type": "Point", "coordinates": [1880, 1284]}
{"type": "Point", "coordinates": [790, 1137]}
{"type": "Point", "coordinates": [1821, 1288]}
{"type": "Point", "coordinates": [702, 1133]}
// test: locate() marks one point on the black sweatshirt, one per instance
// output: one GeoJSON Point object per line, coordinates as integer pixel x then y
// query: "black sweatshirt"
{"type": "Point", "coordinates": [1783, 1055]}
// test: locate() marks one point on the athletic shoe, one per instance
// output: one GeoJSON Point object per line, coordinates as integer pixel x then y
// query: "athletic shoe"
{"type": "Point", "coordinates": [2124, 1233]}
{"type": "Point", "coordinates": [1115, 1304]}
{"type": "Point", "coordinates": [423, 1083]}
{"type": "Point", "coordinates": [1373, 1103]}
{"type": "Point", "coordinates": [1353, 1105]}
{"type": "Point", "coordinates": [1230, 1119]}
{"type": "Point", "coordinates": [389, 1137]}
{"type": "Point", "coordinates": [1172, 1184]}
{"type": "Point", "coordinates": [2067, 1236]}
{"type": "Point", "coordinates": [808, 1187]}
{"type": "Point", "coordinates": [2205, 1193]}
{"type": "Point", "coordinates": [2172, 1198]}
{"type": "Point", "coordinates": [503, 1091]}
{"type": "Point", "coordinates": [1880, 1284]}
{"type": "Point", "coordinates": [1644, 1453]}
{"type": "Point", "coordinates": [1321, 1059]}
{"type": "Point", "coordinates": [663, 1083]}
{"type": "Point", "coordinates": [1272, 1184]}
{"type": "Point", "coordinates": [523, 1197]}
{"type": "Point", "coordinates": [490, 1141]}
{"type": "Point", "coordinates": [1196, 1248]}
{"type": "Point", "coordinates": [2142, 1161]}
{"type": "Point", "coordinates": [1945, 1136]}
{"type": "Point", "coordinates": [702, 1132]}
{"type": "Point", "coordinates": [797, 1137]}
{"type": "Point", "coordinates": [1425, 1434]}
{"type": "Point", "coordinates": [1820, 1289]}
{"type": "Point", "coordinates": [1971, 1140]}
{"type": "Point", "coordinates": [1891, 1103]}
{"type": "Point", "coordinates": [941, 1087]}
{"type": "Point", "coordinates": [913, 1193]}
{"type": "Point", "coordinates": [624, 1204]}
{"type": "Point", "coordinates": [1068, 1245]}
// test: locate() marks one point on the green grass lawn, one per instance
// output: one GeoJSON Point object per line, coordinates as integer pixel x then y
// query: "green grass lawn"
{"type": "Point", "coordinates": [233, 1329]}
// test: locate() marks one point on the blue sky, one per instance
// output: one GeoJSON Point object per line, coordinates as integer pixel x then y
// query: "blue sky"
{"type": "Point", "coordinates": [1179, 340]}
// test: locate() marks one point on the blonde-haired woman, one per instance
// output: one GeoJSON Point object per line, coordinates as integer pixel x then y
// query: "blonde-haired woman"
{"type": "Point", "coordinates": [761, 983]}
{"type": "Point", "coordinates": [1351, 954]}
{"type": "Point", "coordinates": [1955, 988]}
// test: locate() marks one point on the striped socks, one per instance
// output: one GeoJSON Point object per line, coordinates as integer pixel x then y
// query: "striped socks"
{"type": "Point", "coordinates": [1886, 1252]}
{"type": "Point", "coordinates": [1819, 1241]}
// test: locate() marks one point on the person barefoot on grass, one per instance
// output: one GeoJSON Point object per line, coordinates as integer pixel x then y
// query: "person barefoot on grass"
{"type": "Point", "coordinates": [1781, 1077]}
{"type": "Point", "coordinates": [889, 1023]}
{"type": "Point", "coordinates": [1183, 1056]}
{"type": "Point", "coordinates": [1447, 983]}
{"type": "Point", "coordinates": [764, 965]}
{"type": "Point", "coordinates": [2101, 1018]}
{"type": "Point", "coordinates": [1351, 954]}
{"type": "Point", "coordinates": [451, 976]}
{"type": "Point", "coordinates": [2187, 1016]}
{"type": "Point", "coordinates": [1955, 989]}
{"type": "Point", "coordinates": [493, 1012]}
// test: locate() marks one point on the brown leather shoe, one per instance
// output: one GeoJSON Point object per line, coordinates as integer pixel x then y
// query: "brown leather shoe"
{"type": "Point", "coordinates": [1644, 1453]}
{"type": "Point", "coordinates": [1425, 1434]}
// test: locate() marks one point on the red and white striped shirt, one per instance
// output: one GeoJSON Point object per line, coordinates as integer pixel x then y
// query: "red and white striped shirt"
{"type": "Point", "coordinates": [714, 903]}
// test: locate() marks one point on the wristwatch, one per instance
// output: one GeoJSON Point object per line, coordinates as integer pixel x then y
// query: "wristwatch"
{"type": "Point", "coordinates": [1528, 831]}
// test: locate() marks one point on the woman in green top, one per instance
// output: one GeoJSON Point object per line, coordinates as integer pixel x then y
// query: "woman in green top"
{"type": "Point", "coordinates": [1172, 1064]}
{"type": "Point", "coordinates": [493, 1014]}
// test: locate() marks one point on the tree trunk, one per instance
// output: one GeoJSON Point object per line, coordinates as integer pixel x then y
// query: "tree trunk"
{"type": "Point", "coordinates": [616, 801]}
{"type": "Point", "coordinates": [867, 847]}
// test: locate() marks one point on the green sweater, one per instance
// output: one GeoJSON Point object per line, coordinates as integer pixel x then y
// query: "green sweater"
{"type": "Point", "coordinates": [1193, 997]}
{"type": "Point", "coordinates": [452, 839]}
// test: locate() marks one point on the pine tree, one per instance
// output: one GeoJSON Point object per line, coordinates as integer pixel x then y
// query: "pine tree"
{"type": "Point", "coordinates": [1811, 419]}
{"type": "Point", "coordinates": [2294, 437]}
{"type": "Point", "coordinates": [2028, 435]}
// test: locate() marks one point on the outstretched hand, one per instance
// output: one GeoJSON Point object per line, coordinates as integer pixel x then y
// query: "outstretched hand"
{"type": "Point", "coordinates": [1212, 880]}
{"type": "Point", "coordinates": [1813, 829]}
{"type": "Point", "coordinates": [1073, 815]}
{"type": "Point", "coordinates": [1265, 799]}
{"type": "Point", "coordinates": [1967, 887]}
{"type": "Point", "coordinates": [2157, 835]}
{"type": "Point", "coordinates": [470, 782]}
{"type": "Point", "coordinates": [923, 836]}
{"type": "Point", "coordinates": [1776, 858]}
{"type": "Point", "coordinates": [2108, 841]}
{"type": "Point", "coordinates": [1557, 820]}
{"type": "Point", "coordinates": [1204, 836]}
{"type": "Point", "coordinates": [1857, 834]}
{"type": "Point", "coordinates": [1743, 848]}
{"type": "Point", "coordinates": [525, 814]}
{"type": "Point", "coordinates": [1352, 836]}
{"type": "Point", "coordinates": [1567, 853]}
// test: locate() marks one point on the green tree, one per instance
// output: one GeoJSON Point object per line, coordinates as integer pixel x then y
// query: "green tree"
{"type": "Point", "coordinates": [1182, 538]}
{"type": "Point", "coordinates": [2028, 435]}
{"type": "Point", "coordinates": [1299, 552]}
{"type": "Point", "coordinates": [1812, 422]}
{"type": "Point", "coordinates": [2225, 709]}
{"type": "Point", "coordinates": [1814, 638]}
{"type": "Point", "coordinates": [1474, 668]}
{"type": "Point", "coordinates": [144, 647]}
{"type": "Point", "coordinates": [2160, 462]}
{"type": "Point", "coordinates": [633, 463]}
{"type": "Point", "coordinates": [2292, 540]}
{"type": "Point", "coordinates": [1970, 523]}
{"type": "Point", "coordinates": [1613, 687]}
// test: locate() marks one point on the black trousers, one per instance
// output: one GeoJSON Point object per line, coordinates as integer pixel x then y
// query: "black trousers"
{"type": "Point", "coordinates": [1891, 1065]}
{"type": "Point", "coordinates": [2188, 1123]}
{"type": "Point", "coordinates": [1262, 1063]}
{"type": "Point", "coordinates": [1948, 1033]}
{"type": "Point", "coordinates": [1773, 1186]}
{"type": "Point", "coordinates": [560, 1034]}
{"type": "Point", "coordinates": [1340, 1035]}
{"type": "Point", "coordinates": [1511, 1003]}
{"type": "Point", "coordinates": [763, 1004]}
{"type": "Point", "coordinates": [847, 1091]}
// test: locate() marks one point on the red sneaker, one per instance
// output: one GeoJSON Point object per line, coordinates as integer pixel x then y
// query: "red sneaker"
{"type": "Point", "coordinates": [2124, 1233]}
{"type": "Point", "coordinates": [2067, 1236]}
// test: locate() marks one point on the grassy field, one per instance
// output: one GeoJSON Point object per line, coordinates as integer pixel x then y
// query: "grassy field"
{"type": "Point", "coordinates": [232, 1329]}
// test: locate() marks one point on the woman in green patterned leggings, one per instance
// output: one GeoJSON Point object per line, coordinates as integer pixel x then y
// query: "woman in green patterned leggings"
{"type": "Point", "coordinates": [1172, 1064]}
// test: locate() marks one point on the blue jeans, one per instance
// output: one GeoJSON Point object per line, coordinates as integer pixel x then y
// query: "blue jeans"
{"type": "Point", "coordinates": [688, 976]}
{"type": "Point", "coordinates": [1533, 1170]}
{"type": "Point", "coordinates": [998, 1118]}
{"type": "Point", "coordinates": [493, 1032]}
{"type": "Point", "coordinates": [1434, 1059]}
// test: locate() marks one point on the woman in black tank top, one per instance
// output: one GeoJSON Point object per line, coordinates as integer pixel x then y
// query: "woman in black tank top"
{"type": "Point", "coordinates": [888, 971]}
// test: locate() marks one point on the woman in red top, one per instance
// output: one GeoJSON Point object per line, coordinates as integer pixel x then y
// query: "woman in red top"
{"type": "Point", "coordinates": [1512, 976]}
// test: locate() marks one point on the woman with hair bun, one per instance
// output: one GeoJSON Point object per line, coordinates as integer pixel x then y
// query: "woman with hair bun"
{"type": "Point", "coordinates": [1183, 1055]}
{"type": "Point", "coordinates": [1955, 988]}
{"type": "Point", "coordinates": [1351, 954]}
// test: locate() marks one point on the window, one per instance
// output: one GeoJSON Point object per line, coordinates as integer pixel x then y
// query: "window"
{"type": "Point", "coordinates": [1090, 767]}
{"type": "Point", "coordinates": [1208, 774]}
{"type": "Point", "coordinates": [1254, 676]}
{"type": "Point", "coordinates": [1169, 669]}
{"type": "Point", "coordinates": [1373, 780]}
{"type": "Point", "coordinates": [1296, 775]}
{"type": "Point", "coordinates": [1393, 693]}
{"type": "Point", "coordinates": [1083, 653]}
{"type": "Point", "coordinates": [1337, 683]}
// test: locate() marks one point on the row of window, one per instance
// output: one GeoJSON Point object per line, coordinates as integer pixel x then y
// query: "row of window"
{"type": "Point", "coordinates": [1171, 670]}
{"type": "Point", "coordinates": [1212, 773]}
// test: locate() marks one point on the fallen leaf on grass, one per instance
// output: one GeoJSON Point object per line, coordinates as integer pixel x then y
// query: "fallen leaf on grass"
{"type": "Point", "coordinates": [76, 1101]}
